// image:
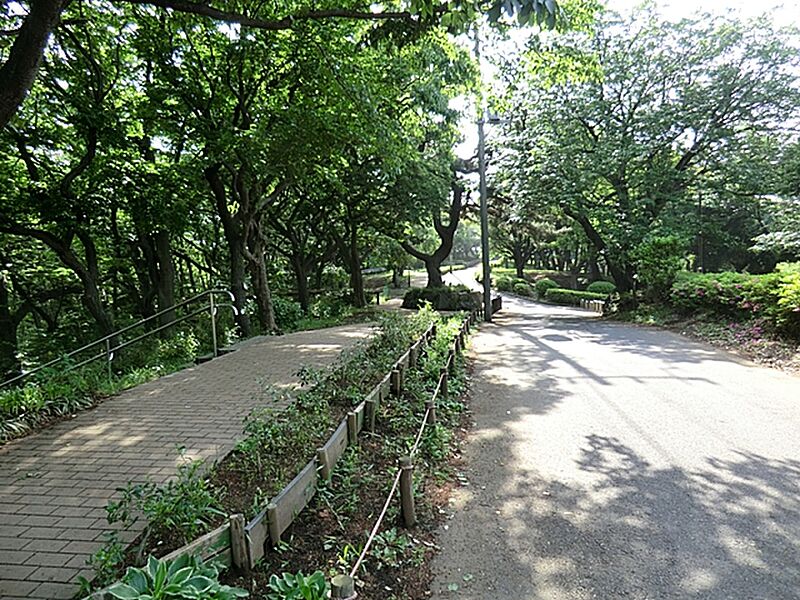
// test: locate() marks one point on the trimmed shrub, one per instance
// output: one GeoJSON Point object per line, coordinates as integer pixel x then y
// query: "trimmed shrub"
{"type": "Point", "coordinates": [522, 288]}
{"type": "Point", "coordinates": [601, 287]}
{"type": "Point", "coordinates": [504, 283]}
{"type": "Point", "coordinates": [543, 285]}
{"type": "Point", "coordinates": [456, 297]}
{"type": "Point", "coordinates": [570, 297]}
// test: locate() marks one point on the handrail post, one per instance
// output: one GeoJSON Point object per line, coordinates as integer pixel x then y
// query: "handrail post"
{"type": "Point", "coordinates": [212, 310]}
{"type": "Point", "coordinates": [109, 357]}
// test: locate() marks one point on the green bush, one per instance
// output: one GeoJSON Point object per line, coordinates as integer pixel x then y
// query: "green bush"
{"type": "Point", "coordinates": [570, 297]}
{"type": "Point", "coordinates": [543, 285]}
{"type": "Point", "coordinates": [504, 283]}
{"type": "Point", "coordinates": [457, 297]}
{"type": "Point", "coordinates": [601, 287]}
{"type": "Point", "coordinates": [183, 507]}
{"type": "Point", "coordinates": [287, 312]}
{"type": "Point", "coordinates": [522, 288]}
{"type": "Point", "coordinates": [658, 261]}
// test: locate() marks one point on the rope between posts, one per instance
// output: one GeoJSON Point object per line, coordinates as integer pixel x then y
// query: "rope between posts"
{"type": "Point", "coordinates": [374, 531]}
{"type": "Point", "coordinates": [415, 447]}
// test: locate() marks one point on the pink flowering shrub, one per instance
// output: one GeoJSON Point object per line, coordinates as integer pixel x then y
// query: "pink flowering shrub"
{"type": "Point", "coordinates": [774, 297]}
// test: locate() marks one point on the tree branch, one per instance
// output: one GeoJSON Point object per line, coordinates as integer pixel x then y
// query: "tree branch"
{"type": "Point", "coordinates": [270, 24]}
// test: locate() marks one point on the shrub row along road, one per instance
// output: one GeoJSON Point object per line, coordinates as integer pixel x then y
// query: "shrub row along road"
{"type": "Point", "coordinates": [614, 461]}
{"type": "Point", "coordinates": [55, 484]}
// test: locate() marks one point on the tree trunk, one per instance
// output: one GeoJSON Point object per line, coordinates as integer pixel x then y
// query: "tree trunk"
{"type": "Point", "coordinates": [592, 268]}
{"type": "Point", "coordinates": [258, 275]}
{"type": "Point", "coordinates": [356, 278]}
{"type": "Point", "coordinates": [434, 270]}
{"type": "Point", "coordinates": [301, 280]}
{"type": "Point", "coordinates": [166, 277]}
{"type": "Point", "coordinates": [237, 275]}
{"type": "Point", "coordinates": [9, 364]}
{"type": "Point", "coordinates": [19, 70]}
{"type": "Point", "coordinates": [623, 278]}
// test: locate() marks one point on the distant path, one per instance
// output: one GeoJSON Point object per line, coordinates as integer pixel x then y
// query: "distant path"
{"type": "Point", "coordinates": [55, 484]}
{"type": "Point", "coordinates": [612, 461]}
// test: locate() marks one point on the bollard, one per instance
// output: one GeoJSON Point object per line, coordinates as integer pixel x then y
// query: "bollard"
{"type": "Point", "coordinates": [407, 491]}
{"type": "Point", "coordinates": [430, 409]}
{"type": "Point", "coordinates": [443, 377]}
{"type": "Point", "coordinates": [343, 587]}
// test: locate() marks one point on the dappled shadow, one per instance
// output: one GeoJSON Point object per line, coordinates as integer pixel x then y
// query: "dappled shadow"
{"type": "Point", "coordinates": [730, 530]}
{"type": "Point", "coordinates": [619, 462]}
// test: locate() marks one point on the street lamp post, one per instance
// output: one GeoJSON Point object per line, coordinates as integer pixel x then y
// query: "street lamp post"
{"type": "Point", "coordinates": [487, 273]}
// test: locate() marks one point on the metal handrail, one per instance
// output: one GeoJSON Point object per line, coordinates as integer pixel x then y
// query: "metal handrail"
{"type": "Point", "coordinates": [109, 351]}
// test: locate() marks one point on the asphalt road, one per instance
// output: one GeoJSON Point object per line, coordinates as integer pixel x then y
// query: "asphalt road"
{"type": "Point", "coordinates": [613, 461]}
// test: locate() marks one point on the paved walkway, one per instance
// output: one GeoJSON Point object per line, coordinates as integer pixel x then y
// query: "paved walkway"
{"type": "Point", "coordinates": [612, 461]}
{"type": "Point", "coordinates": [55, 484]}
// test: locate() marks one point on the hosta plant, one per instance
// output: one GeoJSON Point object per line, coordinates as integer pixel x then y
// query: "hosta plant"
{"type": "Point", "coordinates": [298, 587]}
{"type": "Point", "coordinates": [185, 577]}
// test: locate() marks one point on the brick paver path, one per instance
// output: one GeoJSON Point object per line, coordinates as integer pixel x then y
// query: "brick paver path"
{"type": "Point", "coordinates": [55, 484]}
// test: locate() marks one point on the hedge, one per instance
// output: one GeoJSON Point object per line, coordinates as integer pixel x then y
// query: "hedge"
{"type": "Point", "coordinates": [570, 297]}
{"type": "Point", "coordinates": [456, 297]}
{"type": "Point", "coordinates": [601, 287]}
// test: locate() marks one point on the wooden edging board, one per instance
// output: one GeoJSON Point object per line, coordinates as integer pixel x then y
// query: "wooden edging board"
{"type": "Point", "coordinates": [284, 507]}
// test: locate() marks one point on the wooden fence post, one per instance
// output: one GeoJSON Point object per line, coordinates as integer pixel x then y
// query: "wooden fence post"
{"type": "Point", "coordinates": [343, 586]}
{"type": "Point", "coordinates": [430, 409]}
{"type": "Point", "coordinates": [397, 382]}
{"type": "Point", "coordinates": [451, 360]}
{"type": "Point", "coordinates": [238, 543]}
{"type": "Point", "coordinates": [371, 408]}
{"type": "Point", "coordinates": [443, 378]}
{"type": "Point", "coordinates": [352, 428]}
{"type": "Point", "coordinates": [407, 492]}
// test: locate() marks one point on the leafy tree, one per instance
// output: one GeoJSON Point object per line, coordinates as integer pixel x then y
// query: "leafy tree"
{"type": "Point", "coordinates": [648, 111]}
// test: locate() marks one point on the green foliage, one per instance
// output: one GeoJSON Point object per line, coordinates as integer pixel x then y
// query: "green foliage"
{"type": "Point", "coordinates": [186, 577]}
{"type": "Point", "coordinates": [287, 312]}
{"type": "Point", "coordinates": [543, 285]}
{"type": "Point", "coordinates": [183, 507]}
{"type": "Point", "coordinates": [457, 297]}
{"type": "Point", "coordinates": [298, 587]}
{"type": "Point", "coordinates": [658, 261]}
{"type": "Point", "coordinates": [773, 296]}
{"type": "Point", "coordinates": [571, 297]}
{"type": "Point", "coordinates": [105, 563]}
{"type": "Point", "coordinates": [601, 287]}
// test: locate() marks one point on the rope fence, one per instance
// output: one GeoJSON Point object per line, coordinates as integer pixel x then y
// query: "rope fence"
{"type": "Point", "coordinates": [343, 587]}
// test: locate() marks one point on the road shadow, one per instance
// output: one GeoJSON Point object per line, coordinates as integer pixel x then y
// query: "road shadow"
{"type": "Point", "coordinates": [729, 530]}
